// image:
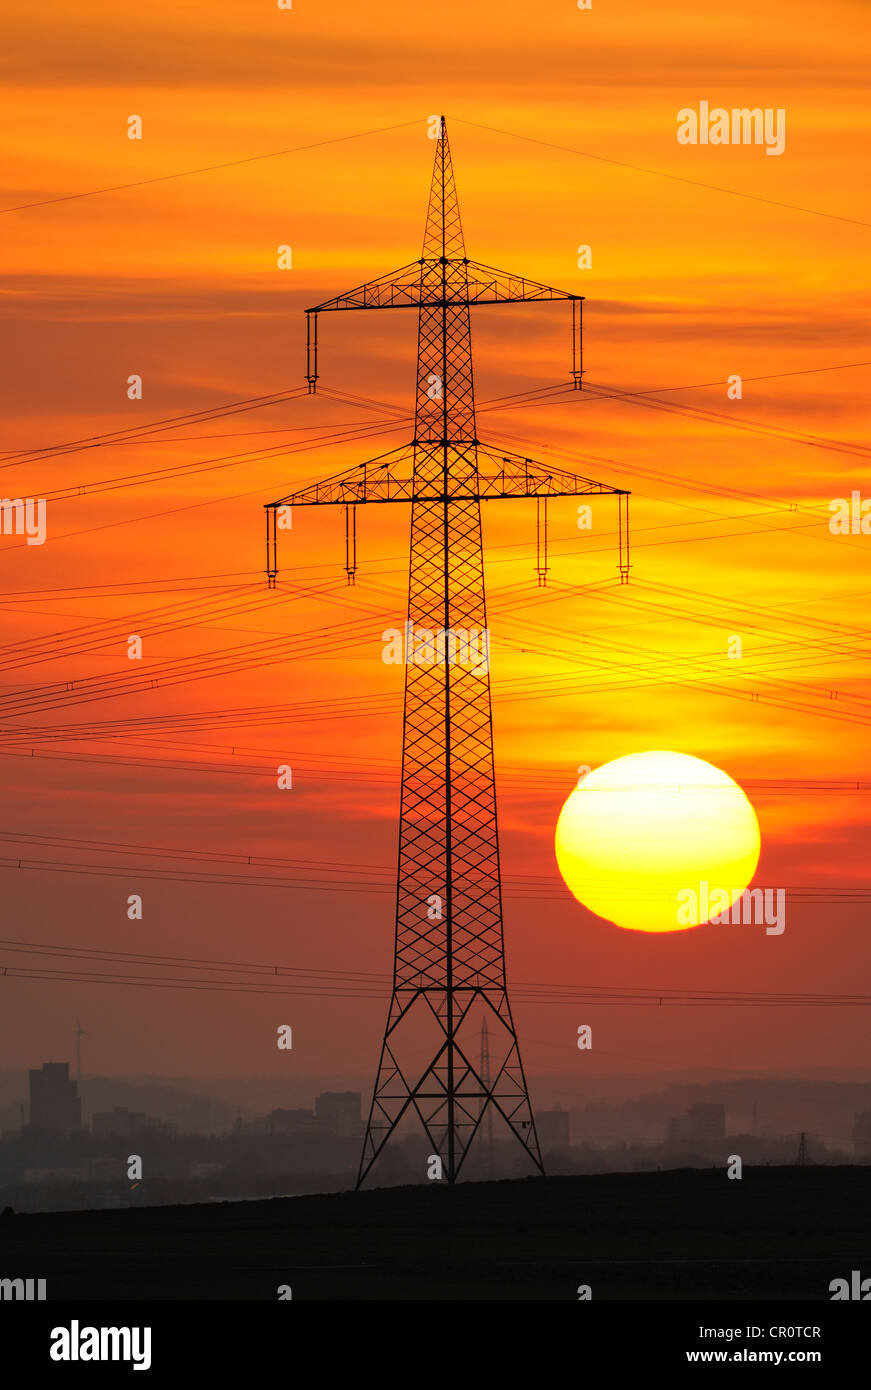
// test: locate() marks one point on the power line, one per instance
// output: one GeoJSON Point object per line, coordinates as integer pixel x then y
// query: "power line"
{"type": "Point", "coordinates": [661, 174]}
{"type": "Point", "coordinates": [767, 376]}
{"type": "Point", "coordinates": [210, 168]}
{"type": "Point", "coordinates": [367, 880]}
{"type": "Point", "coordinates": [277, 450]}
{"type": "Point", "coordinates": [360, 772]}
{"type": "Point", "coordinates": [210, 465]}
{"type": "Point", "coordinates": [34, 595]}
{"type": "Point", "coordinates": [647, 401]}
{"type": "Point", "coordinates": [97, 441]}
{"type": "Point", "coordinates": [318, 982]}
{"type": "Point", "coordinates": [514, 400]}
{"type": "Point", "coordinates": [207, 665]}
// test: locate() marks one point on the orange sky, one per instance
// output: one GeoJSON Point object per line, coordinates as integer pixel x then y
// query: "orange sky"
{"type": "Point", "coordinates": [177, 281]}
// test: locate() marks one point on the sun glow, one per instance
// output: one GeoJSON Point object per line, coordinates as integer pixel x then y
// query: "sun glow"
{"type": "Point", "coordinates": [638, 831]}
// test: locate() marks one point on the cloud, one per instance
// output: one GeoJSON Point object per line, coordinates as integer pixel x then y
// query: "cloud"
{"type": "Point", "coordinates": [341, 47]}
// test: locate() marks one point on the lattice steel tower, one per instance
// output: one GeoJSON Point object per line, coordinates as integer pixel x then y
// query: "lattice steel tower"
{"type": "Point", "coordinates": [449, 962]}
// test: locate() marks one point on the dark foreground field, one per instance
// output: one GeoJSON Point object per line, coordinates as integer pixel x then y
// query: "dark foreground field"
{"type": "Point", "coordinates": [777, 1233]}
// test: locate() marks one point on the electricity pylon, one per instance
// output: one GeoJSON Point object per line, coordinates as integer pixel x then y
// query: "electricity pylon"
{"type": "Point", "coordinates": [449, 958]}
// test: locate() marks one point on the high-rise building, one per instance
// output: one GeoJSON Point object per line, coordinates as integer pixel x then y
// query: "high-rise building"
{"type": "Point", "coordinates": [290, 1122]}
{"type": "Point", "coordinates": [701, 1123]}
{"type": "Point", "coordinates": [118, 1122]}
{"type": "Point", "coordinates": [553, 1128]}
{"type": "Point", "coordinates": [707, 1121]}
{"type": "Point", "coordinates": [54, 1099]}
{"type": "Point", "coordinates": [123, 1123]}
{"type": "Point", "coordinates": [339, 1112]}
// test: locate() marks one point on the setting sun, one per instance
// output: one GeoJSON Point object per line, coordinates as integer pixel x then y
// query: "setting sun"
{"type": "Point", "coordinates": [642, 829]}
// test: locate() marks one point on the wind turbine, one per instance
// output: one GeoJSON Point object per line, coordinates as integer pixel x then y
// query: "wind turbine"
{"type": "Point", "coordinates": [80, 1033]}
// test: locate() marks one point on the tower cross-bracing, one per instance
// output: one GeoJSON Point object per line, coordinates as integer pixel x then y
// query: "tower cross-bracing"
{"type": "Point", "coordinates": [449, 958]}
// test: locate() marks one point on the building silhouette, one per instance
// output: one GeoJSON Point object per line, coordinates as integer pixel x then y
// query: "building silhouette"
{"type": "Point", "coordinates": [124, 1123]}
{"type": "Point", "coordinates": [339, 1113]}
{"type": "Point", "coordinates": [54, 1099]}
{"type": "Point", "coordinates": [553, 1128]}
{"type": "Point", "coordinates": [701, 1122]}
{"type": "Point", "coordinates": [290, 1122]}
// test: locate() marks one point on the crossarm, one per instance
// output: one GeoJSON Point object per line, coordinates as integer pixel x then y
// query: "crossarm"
{"type": "Point", "coordinates": [387, 478]}
{"type": "Point", "coordinates": [487, 285]}
{"type": "Point", "coordinates": [399, 289]}
{"type": "Point", "coordinates": [342, 491]}
{"type": "Point", "coordinates": [391, 478]}
{"type": "Point", "coordinates": [410, 287]}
